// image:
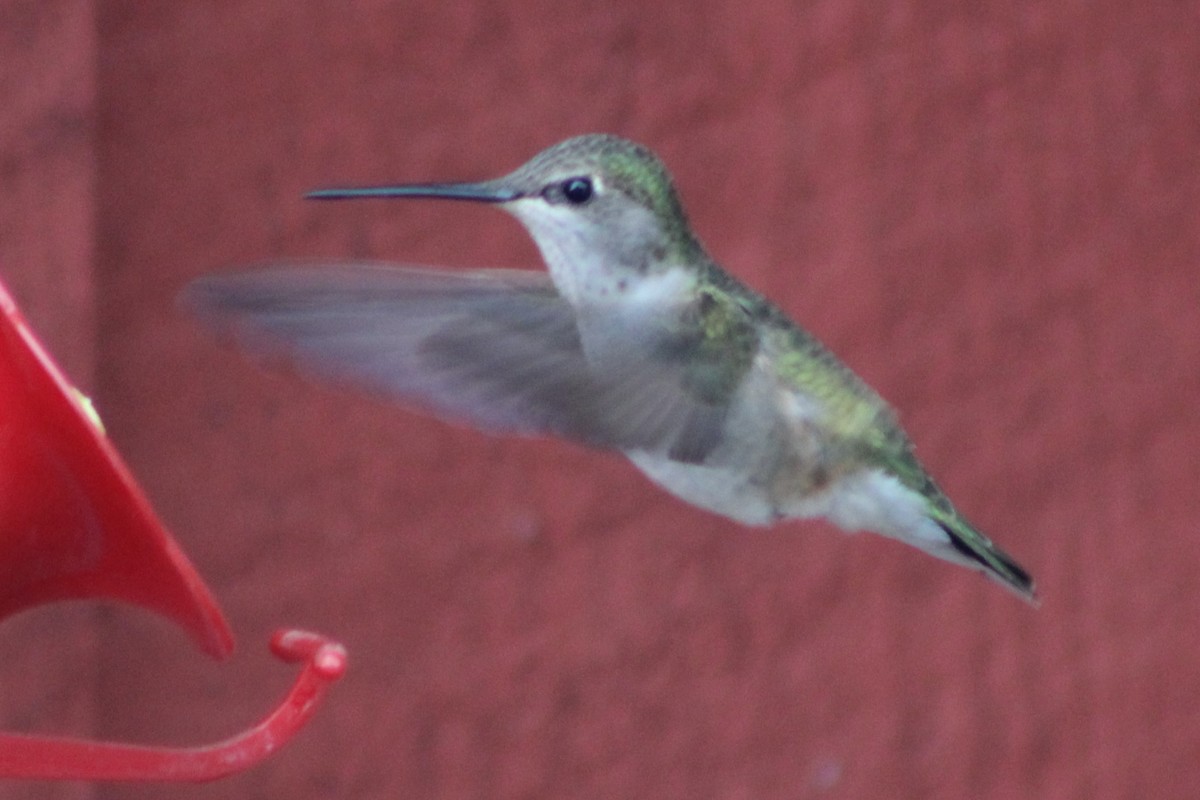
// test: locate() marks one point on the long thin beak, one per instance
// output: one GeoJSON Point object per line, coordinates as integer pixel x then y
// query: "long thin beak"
{"type": "Point", "coordinates": [485, 192]}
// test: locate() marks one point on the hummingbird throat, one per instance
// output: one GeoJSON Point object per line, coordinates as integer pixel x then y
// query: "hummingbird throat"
{"type": "Point", "coordinates": [597, 260]}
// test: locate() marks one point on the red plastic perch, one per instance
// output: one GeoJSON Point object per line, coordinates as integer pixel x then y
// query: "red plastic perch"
{"type": "Point", "coordinates": [74, 759]}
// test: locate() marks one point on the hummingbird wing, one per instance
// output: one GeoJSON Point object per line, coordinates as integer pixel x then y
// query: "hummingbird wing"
{"type": "Point", "coordinates": [499, 349]}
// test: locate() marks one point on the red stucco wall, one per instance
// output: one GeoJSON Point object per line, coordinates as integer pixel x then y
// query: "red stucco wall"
{"type": "Point", "coordinates": [51, 658]}
{"type": "Point", "coordinates": [991, 211]}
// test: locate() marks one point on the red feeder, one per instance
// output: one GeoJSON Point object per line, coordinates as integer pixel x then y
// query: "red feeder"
{"type": "Point", "coordinates": [74, 524]}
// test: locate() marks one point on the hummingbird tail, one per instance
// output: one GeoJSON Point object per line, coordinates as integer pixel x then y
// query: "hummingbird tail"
{"type": "Point", "coordinates": [975, 549]}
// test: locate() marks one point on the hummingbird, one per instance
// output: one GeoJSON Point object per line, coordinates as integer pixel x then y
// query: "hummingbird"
{"type": "Point", "coordinates": [633, 340]}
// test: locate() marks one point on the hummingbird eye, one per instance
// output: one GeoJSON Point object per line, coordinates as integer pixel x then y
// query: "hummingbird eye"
{"type": "Point", "coordinates": [577, 191]}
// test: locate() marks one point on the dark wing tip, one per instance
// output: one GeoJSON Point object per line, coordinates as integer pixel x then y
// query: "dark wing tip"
{"type": "Point", "coordinates": [205, 298]}
{"type": "Point", "coordinates": [998, 564]}
{"type": "Point", "coordinates": [220, 301]}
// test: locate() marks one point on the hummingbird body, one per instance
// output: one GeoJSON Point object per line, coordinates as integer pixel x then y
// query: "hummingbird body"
{"type": "Point", "coordinates": [636, 341]}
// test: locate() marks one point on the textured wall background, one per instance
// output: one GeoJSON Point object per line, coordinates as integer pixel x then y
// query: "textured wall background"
{"type": "Point", "coordinates": [48, 256]}
{"type": "Point", "coordinates": [990, 210]}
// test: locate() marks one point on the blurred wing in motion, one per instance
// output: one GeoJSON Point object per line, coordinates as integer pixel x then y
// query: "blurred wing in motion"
{"type": "Point", "coordinates": [499, 349]}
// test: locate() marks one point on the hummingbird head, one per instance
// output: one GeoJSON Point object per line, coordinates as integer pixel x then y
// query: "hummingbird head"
{"type": "Point", "coordinates": [591, 202]}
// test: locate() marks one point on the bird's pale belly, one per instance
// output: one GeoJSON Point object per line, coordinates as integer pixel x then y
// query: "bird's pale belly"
{"type": "Point", "coordinates": [865, 499]}
{"type": "Point", "coordinates": [748, 498]}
